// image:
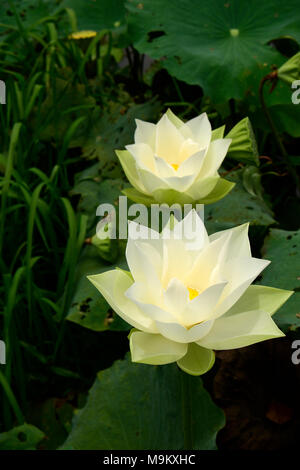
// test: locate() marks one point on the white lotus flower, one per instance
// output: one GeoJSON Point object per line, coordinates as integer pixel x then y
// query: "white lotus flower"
{"type": "Point", "coordinates": [184, 303]}
{"type": "Point", "coordinates": [175, 162]}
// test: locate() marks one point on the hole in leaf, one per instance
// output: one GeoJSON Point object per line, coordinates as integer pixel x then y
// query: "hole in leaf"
{"type": "Point", "coordinates": [154, 35]}
{"type": "Point", "coordinates": [84, 308]}
{"type": "Point", "coordinates": [22, 437]}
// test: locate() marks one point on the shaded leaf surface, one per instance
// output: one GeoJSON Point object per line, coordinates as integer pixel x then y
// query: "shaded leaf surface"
{"type": "Point", "coordinates": [135, 406]}
{"type": "Point", "coordinates": [30, 11]}
{"type": "Point", "coordinates": [114, 129]}
{"type": "Point", "coordinates": [97, 15]}
{"type": "Point", "coordinates": [282, 247]}
{"type": "Point", "coordinates": [238, 207]}
{"type": "Point", "coordinates": [208, 43]}
{"type": "Point", "coordinates": [89, 308]}
{"type": "Point", "coordinates": [25, 437]}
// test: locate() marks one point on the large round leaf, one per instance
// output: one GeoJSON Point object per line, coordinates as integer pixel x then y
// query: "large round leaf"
{"type": "Point", "coordinates": [218, 45]}
{"type": "Point", "coordinates": [135, 407]}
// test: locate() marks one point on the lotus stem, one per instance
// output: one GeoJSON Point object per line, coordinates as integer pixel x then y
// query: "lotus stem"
{"type": "Point", "coordinates": [186, 411]}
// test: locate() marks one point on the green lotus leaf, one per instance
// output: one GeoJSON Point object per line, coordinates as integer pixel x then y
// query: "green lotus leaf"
{"type": "Point", "coordinates": [135, 406]}
{"type": "Point", "coordinates": [222, 46]}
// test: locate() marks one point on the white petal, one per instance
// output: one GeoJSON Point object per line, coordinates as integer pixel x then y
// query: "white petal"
{"type": "Point", "coordinates": [143, 155]}
{"type": "Point", "coordinates": [192, 165]}
{"type": "Point", "coordinates": [139, 294]}
{"type": "Point", "coordinates": [168, 140]}
{"type": "Point", "coordinates": [239, 273]}
{"type": "Point", "coordinates": [191, 228]}
{"type": "Point", "coordinates": [176, 260]}
{"type": "Point", "coordinates": [112, 285]}
{"type": "Point", "coordinates": [201, 129]}
{"type": "Point", "coordinates": [145, 233]}
{"type": "Point", "coordinates": [176, 297]}
{"type": "Point", "coordinates": [144, 262]}
{"type": "Point", "coordinates": [186, 132]}
{"type": "Point", "coordinates": [180, 334]}
{"type": "Point", "coordinates": [163, 168]}
{"type": "Point", "coordinates": [214, 157]}
{"type": "Point", "coordinates": [238, 270]}
{"type": "Point", "coordinates": [180, 183]}
{"type": "Point", "coordinates": [239, 241]}
{"type": "Point", "coordinates": [207, 265]}
{"type": "Point", "coordinates": [151, 181]}
{"type": "Point", "coordinates": [201, 187]}
{"type": "Point", "coordinates": [145, 133]}
{"type": "Point", "coordinates": [201, 307]}
{"type": "Point", "coordinates": [154, 349]}
{"type": "Point", "coordinates": [189, 147]}
{"type": "Point", "coordinates": [240, 330]}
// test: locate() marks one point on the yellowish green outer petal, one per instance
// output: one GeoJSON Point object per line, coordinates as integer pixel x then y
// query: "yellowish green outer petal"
{"type": "Point", "coordinates": [218, 133]}
{"type": "Point", "coordinates": [140, 198]}
{"type": "Point", "coordinates": [256, 297]}
{"type": "Point", "coordinates": [222, 188]}
{"type": "Point", "coordinates": [112, 285]}
{"type": "Point", "coordinates": [174, 119]}
{"type": "Point", "coordinates": [197, 360]}
{"type": "Point", "coordinates": [129, 166]}
{"type": "Point", "coordinates": [202, 187]}
{"type": "Point", "coordinates": [240, 330]}
{"type": "Point", "coordinates": [154, 349]}
{"type": "Point", "coordinates": [171, 196]}
{"type": "Point", "coordinates": [128, 273]}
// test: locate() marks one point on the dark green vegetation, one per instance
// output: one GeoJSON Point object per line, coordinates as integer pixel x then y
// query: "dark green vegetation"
{"type": "Point", "coordinates": [70, 103]}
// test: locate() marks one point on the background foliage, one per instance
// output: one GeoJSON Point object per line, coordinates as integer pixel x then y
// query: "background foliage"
{"type": "Point", "coordinates": [70, 103]}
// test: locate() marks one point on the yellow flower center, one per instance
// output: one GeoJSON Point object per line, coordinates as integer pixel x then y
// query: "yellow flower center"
{"type": "Point", "coordinates": [192, 293]}
{"type": "Point", "coordinates": [175, 166]}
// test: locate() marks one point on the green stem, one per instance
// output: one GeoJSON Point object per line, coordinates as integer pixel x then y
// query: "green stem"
{"type": "Point", "coordinates": [186, 411]}
{"type": "Point", "coordinates": [11, 398]}
{"type": "Point", "coordinates": [275, 133]}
